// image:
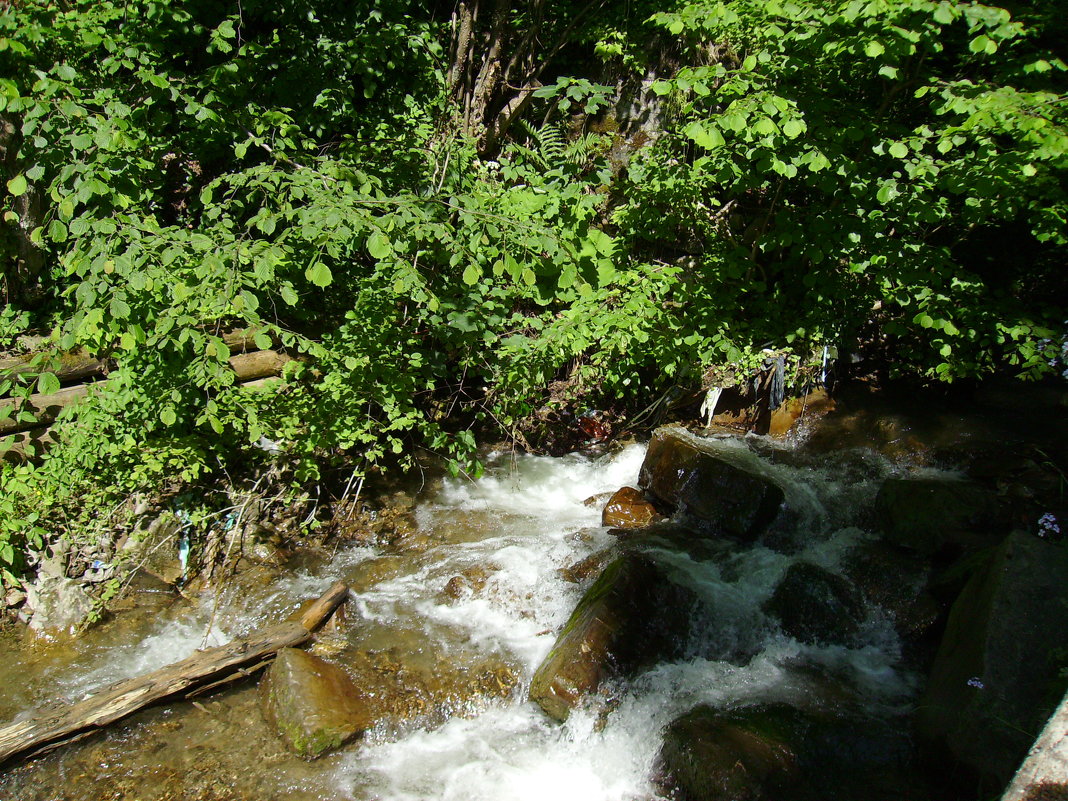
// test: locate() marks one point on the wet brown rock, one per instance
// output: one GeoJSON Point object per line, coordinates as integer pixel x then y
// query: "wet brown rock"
{"type": "Point", "coordinates": [313, 705]}
{"type": "Point", "coordinates": [584, 568]}
{"type": "Point", "coordinates": [628, 508]}
{"type": "Point", "coordinates": [711, 494]}
{"type": "Point", "coordinates": [806, 409]}
{"type": "Point", "coordinates": [632, 616]}
{"type": "Point", "coordinates": [469, 582]}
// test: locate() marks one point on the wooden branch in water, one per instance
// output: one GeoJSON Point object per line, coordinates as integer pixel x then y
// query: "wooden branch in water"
{"type": "Point", "coordinates": [57, 725]}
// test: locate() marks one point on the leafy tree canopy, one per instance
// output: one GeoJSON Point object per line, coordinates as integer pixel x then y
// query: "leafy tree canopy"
{"type": "Point", "coordinates": [441, 211]}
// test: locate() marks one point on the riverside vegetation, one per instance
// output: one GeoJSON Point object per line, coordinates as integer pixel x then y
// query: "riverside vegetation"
{"type": "Point", "coordinates": [478, 217]}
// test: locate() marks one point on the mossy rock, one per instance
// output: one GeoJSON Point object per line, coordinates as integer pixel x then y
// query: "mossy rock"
{"type": "Point", "coordinates": [631, 617]}
{"type": "Point", "coordinates": [709, 755]}
{"type": "Point", "coordinates": [935, 515]}
{"type": "Point", "coordinates": [312, 704]}
{"type": "Point", "coordinates": [996, 676]}
{"type": "Point", "coordinates": [778, 752]}
{"type": "Point", "coordinates": [814, 605]}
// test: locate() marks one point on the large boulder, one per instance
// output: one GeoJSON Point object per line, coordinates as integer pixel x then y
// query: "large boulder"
{"type": "Point", "coordinates": [814, 605]}
{"type": "Point", "coordinates": [710, 493]}
{"type": "Point", "coordinates": [776, 751]}
{"type": "Point", "coordinates": [932, 515]}
{"type": "Point", "coordinates": [632, 617]}
{"type": "Point", "coordinates": [995, 678]}
{"type": "Point", "coordinates": [710, 755]}
{"type": "Point", "coordinates": [313, 705]}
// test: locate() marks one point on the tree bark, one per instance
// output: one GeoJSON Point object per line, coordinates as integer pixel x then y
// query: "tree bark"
{"type": "Point", "coordinates": [20, 284]}
{"type": "Point", "coordinates": [49, 728]}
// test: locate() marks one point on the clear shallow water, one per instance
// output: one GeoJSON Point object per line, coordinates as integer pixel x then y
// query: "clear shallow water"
{"type": "Point", "coordinates": [503, 541]}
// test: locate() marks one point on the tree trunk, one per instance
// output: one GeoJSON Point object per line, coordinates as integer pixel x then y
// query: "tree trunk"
{"type": "Point", "coordinates": [21, 281]}
{"type": "Point", "coordinates": [50, 728]}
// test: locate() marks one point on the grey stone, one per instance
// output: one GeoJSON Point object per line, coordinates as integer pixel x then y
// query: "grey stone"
{"type": "Point", "coordinates": [59, 604]}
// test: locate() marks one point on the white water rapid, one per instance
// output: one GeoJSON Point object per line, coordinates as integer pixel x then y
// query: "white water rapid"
{"type": "Point", "coordinates": [519, 526]}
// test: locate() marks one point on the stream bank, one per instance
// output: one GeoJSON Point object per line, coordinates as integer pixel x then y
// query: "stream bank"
{"type": "Point", "coordinates": [453, 620]}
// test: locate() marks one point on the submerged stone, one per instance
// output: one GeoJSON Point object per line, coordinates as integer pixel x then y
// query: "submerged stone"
{"type": "Point", "coordinates": [896, 580]}
{"type": "Point", "coordinates": [632, 616]}
{"type": "Point", "coordinates": [584, 568]}
{"type": "Point", "coordinates": [710, 493]}
{"type": "Point", "coordinates": [312, 704]}
{"type": "Point", "coordinates": [814, 605]}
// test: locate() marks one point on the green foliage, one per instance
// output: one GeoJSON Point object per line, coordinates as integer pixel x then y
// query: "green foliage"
{"type": "Point", "coordinates": [865, 174]}
{"type": "Point", "coordinates": [568, 92]}
{"type": "Point", "coordinates": [852, 162]}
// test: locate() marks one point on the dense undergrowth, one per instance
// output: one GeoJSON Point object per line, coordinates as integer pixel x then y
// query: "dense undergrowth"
{"type": "Point", "coordinates": [455, 217]}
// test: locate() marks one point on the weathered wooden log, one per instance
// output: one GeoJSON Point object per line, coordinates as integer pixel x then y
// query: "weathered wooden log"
{"type": "Point", "coordinates": [258, 364]}
{"type": "Point", "coordinates": [27, 445]}
{"type": "Point", "coordinates": [67, 367]}
{"type": "Point", "coordinates": [77, 366]}
{"type": "Point", "coordinates": [1045, 771]}
{"type": "Point", "coordinates": [54, 726]}
{"type": "Point", "coordinates": [30, 445]}
{"type": "Point", "coordinates": [44, 408]}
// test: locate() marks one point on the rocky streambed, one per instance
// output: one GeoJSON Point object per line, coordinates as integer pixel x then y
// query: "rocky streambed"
{"type": "Point", "coordinates": [745, 619]}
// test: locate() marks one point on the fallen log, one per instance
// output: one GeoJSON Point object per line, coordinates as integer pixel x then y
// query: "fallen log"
{"type": "Point", "coordinates": [30, 445]}
{"type": "Point", "coordinates": [67, 367]}
{"type": "Point", "coordinates": [55, 726]}
{"type": "Point", "coordinates": [45, 408]}
{"type": "Point", "coordinates": [27, 446]}
{"type": "Point", "coordinates": [78, 365]}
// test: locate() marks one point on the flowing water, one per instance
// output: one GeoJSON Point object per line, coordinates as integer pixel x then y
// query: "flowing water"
{"type": "Point", "coordinates": [454, 626]}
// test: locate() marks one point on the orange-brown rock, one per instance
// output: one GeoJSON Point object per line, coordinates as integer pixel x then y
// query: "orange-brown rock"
{"type": "Point", "coordinates": [628, 508]}
{"type": "Point", "coordinates": [809, 407]}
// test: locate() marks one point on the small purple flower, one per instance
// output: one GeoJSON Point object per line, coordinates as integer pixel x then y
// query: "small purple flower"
{"type": "Point", "coordinates": [976, 682]}
{"type": "Point", "coordinates": [1048, 526]}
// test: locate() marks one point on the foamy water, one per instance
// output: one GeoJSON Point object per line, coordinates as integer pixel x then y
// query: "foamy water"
{"type": "Point", "coordinates": [520, 524]}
